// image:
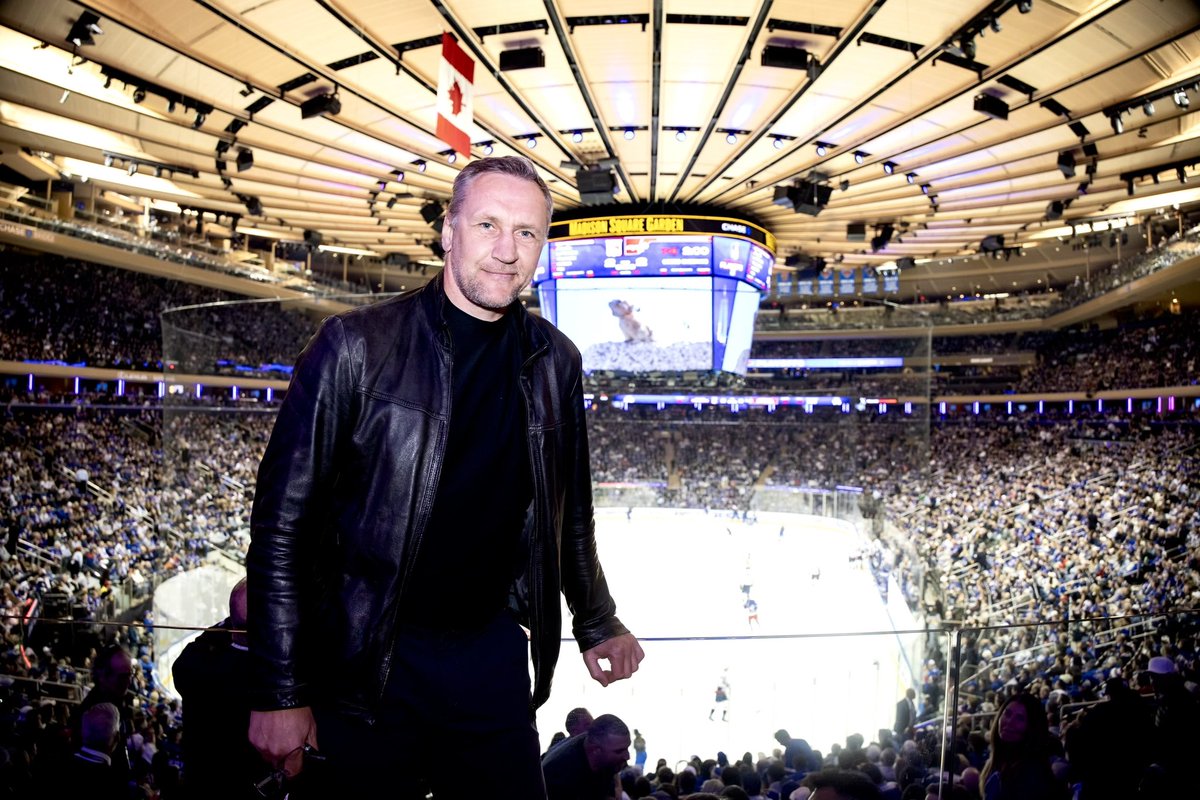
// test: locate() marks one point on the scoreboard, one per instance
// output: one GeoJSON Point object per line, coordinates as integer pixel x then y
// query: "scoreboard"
{"type": "Point", "coordinates": [668, 293]}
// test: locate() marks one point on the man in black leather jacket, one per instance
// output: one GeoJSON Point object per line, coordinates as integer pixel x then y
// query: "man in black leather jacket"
{"type": "Point", "coordinates": [427, 488]}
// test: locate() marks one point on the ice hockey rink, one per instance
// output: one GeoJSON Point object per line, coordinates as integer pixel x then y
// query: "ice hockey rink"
{"type": "Point", "coordinates": [824, 660]}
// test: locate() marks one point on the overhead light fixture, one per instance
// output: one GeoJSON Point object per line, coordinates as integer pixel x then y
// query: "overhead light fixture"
{"type": "Point", "coordinates": [433, 214]}
{"type": "Point", "coordinates": [522, 58]}
{"type": "Point", "coordinates": [1117, 125]}
{"type": "Point", "coordinates": [1181, 174]}
{"type": "Point", "coordinates": [488, 148]}
{"type": "Point", "coordinates": [451, 156]}
{"type": "Point", "coordinates": [779, 143]}
{"type": "Point", "coordinates": [132, 168]}
{"type": "Point", "coordinates": [860, 156]}
{"type": "Point", "coordinates": [681, 135]}
{"type": "Point", "coordinates": [108, 160]}
{"type": "Point", "coordinates": [889, 167]}
{"type": "Point", "coordinates": [1181, 98]}
{"type": "Point", "coordinates": [577, 136]}
{"type": "Point", "coordinates": [924, 188]}
{"type": "Point", "coordinates": [391, 203]}
{"type": "Point", "coordinates": [629, 134]}
{"type": "Point", "coordinates": [1066, 163]}
{"type": "Point", "coordinates": [531, 141]}
{"type": "Point", "coordinates": [200, 119]}
{"type": "Point", "coordinates": [139, 94]}
{"type": "Point", "coordinates": [82, 30]}
{"type": "Point", "coordinates": [245, 159]}
{"type": "Point", "coordinates": [322, 104]}
{"type": "Point", "coordinates": [823, 148]}
{"type": "Point", "coordinates": [1055, 210]}
{"type": "Point", "coordinates": [911, 177]}
{"type": "Point", "coordinates": [731, 138]}
{"type": "Point", "coordinates": [1148, 108]}
{"type": "Point", "coordinates": [844, 185]}
{"type": "Point", "coordinates": [1024, 6]}
{"type": "Point", "coordinates": [420, 165]}
{"type": "Point", "coordinates": [995, 25]}
{"type": "Point", "coordinates": [967, 45]}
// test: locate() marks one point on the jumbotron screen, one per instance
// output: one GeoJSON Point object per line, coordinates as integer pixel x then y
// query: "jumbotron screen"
{"type": "Point", "coordinates": [668, 294]}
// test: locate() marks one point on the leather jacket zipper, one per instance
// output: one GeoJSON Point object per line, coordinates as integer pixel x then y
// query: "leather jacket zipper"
{"type": "Point", "coordinates": [424, 510]}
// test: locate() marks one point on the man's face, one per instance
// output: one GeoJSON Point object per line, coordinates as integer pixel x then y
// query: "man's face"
{"type": "Point", "coordinates": [492, 247]}
{"type": "Point", "coordinates": [609, 754]}
{"type": "Point", "coordinates": [115, 678]}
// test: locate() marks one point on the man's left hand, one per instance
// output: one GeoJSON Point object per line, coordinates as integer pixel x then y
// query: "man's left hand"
{"type": "Point", "coordinates": [623, 654]}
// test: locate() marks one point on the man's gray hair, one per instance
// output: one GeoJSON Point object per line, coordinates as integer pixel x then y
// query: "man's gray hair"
{"type": "Point", "coordinates": [516, 166]}
{"type": "Point", "coordinates": [99, 726]}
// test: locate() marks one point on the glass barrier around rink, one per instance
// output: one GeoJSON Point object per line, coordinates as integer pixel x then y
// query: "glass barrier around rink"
{"type": "Point", "coordinates": [716, 684]}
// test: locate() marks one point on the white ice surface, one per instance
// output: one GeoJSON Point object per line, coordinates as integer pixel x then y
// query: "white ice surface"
{"type": "Point", "coordinates": [676, 577]}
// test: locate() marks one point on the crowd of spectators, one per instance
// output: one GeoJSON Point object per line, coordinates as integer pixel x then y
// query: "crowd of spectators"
{"type": "Point", "coordinates": [1060, 546]}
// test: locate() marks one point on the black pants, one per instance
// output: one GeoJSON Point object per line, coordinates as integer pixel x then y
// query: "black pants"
{"type": "Point", "coordinates": [455, 721]}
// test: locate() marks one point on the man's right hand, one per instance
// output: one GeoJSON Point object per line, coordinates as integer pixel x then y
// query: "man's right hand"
{"type": "Point", "coordinates": [280, 736]}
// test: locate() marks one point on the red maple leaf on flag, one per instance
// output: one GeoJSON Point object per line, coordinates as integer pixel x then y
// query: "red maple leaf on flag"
{"type": "Point", "coordinates": [456, 99]}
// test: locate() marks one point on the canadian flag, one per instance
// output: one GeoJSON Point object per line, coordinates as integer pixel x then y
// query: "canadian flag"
{"type": "Point", "coordinates": [456, 76]}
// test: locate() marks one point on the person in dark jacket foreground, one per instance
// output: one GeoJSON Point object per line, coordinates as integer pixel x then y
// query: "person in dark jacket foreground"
{"type": "Point", "coordinates": [426, 492]}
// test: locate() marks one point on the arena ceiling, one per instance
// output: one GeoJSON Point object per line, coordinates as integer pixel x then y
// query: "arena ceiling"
{"type": "Point", "coordinates": [1085, 113]}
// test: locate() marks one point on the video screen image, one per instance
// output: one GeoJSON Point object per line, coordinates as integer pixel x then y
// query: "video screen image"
{"type": "Point", "coordinates": [639, 324]}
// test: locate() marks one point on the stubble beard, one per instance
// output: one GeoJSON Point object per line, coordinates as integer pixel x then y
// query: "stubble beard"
{"type": "Point", "coordinates": [475, 289]}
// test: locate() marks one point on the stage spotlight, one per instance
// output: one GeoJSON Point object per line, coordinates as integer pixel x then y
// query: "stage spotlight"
{"type": "Point", "coordinates": [860, 156]}
{"type": "Point", "coordinates": [889, 167]}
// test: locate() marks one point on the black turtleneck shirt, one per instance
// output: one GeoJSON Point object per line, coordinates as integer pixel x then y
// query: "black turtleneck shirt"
{"type": "Point", "coordinates": [471, 550]}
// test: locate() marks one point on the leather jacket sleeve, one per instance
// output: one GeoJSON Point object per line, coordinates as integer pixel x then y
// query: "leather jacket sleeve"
{"type": "Point", "coordinates": [297, 472]}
